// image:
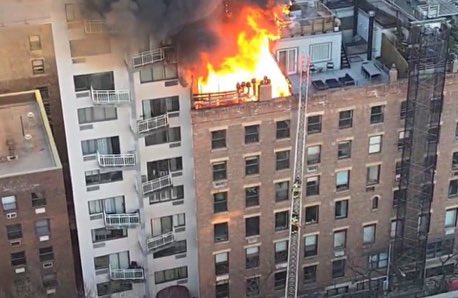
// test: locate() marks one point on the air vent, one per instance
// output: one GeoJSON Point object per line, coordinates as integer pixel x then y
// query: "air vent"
{"type": "Point", "coordinates": [11, 215]}
{"type": "Point", "coordinates": [47, 265]}
{"type": "Point", "coordinates": [219, 184]}
{"type": "Point", "coordinates": [16, 242]}
{"type": "Point", "coordinates": [312, 169]}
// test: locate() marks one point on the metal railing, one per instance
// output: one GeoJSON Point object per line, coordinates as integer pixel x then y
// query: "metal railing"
{"type": "Point", "coordinates": [95, 27]}
{"type": "Point", "coordinates": [157, 184]}
{"type": "Point", "coordinates": [122, 219]}
{"type": "Point", "coordinates": [148, 57]}
{"type": "Point", "coordinates": [116, 160]}
{"type": "Point", "coordinates": [157, 242]}
{"type": "Point", "coordinates": [150, 124]}
{"type": "Point", "coordinates": [110, 96]}
{"type": "Point", "coordinates": [127, 274]}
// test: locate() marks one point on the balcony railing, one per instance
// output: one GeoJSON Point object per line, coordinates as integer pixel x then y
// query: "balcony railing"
{"type": "Point", "coordinates": [127, 274]}
{"type": "Point", "coordinates": [122, 220]}
{"type": "Point", "coordinates": [148, 57]}
{"type": "Point", "coordinates": [151, 124]}
{"type": "Point", "coordinates": [110, 96]}
{"type": "Point", "coordinates": [157, 184]}
{"type": "Point", "coordinates": [95, 27]}
{"type": "Point", "coordinates": [161, 241]}
{"type": "Point", "coordinates": [116, 160]}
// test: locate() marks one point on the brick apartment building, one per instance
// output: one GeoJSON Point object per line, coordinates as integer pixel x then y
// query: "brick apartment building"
{"type": "Point", "coordinates": [36, 259]}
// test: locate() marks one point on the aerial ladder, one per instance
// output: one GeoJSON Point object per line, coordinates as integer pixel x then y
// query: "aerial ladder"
{"type": "Point", "coordinates": [296, 197]}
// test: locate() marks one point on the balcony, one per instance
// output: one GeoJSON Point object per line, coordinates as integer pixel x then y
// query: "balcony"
{"type": "Point", "coordinates": [148, 57]}
{"type": "Point", "coordinates": [110, 97]}
{"type": "Point", "coordinates": [127, 274]}
{"type": "Point", "coordinates": [152, 124]}
{"type": "Point", "coordinates": [116, 160]}
{"type": "Point", "coordinates": [157, 184]}
{"type": "Point", "coordinates": [157, 242]}
{"type": "Point", "coordinates": [95, 27]}
{"type": "Point", "coordinates": [123, 220]}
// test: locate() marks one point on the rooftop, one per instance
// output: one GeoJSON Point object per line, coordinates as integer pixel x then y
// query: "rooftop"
{"type": "Point", "coordinates": [428, 9]}
{"type": "Point", "coordinates": [26, 141]}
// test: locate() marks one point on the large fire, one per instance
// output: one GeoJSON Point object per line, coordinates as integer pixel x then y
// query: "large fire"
{"type": "Point", "coordinates": [244, 54]}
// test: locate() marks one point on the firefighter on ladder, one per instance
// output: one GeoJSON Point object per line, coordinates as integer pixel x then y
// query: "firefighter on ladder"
{"type": "Point", "coordinates": [296, 195]}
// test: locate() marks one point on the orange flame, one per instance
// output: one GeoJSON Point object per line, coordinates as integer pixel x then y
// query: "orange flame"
{"type": "Point", "coordinates": [244, 55]}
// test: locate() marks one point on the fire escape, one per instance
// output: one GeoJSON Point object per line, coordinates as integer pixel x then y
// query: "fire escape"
{"type": "Point", "coordinates": [428, 48]}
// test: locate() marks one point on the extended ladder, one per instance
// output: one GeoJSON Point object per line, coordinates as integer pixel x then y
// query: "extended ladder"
{"type": "Point", "coordinates": [296, 197]}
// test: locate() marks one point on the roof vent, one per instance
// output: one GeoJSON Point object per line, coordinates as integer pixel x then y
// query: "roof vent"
{"type": "Point", "coordinates": [31, 119]}
{"type": "Point", "coordinates": [28, 142]}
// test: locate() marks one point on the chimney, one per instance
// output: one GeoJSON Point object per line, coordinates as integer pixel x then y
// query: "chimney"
{"type": "Point", "coordinates": [265, 90]}
{"type": "Point", "coordinates": [393, 73]}
{"type": "Point", "coordinates": [370, 34]}
{"type": "Point", "coordinates": [355, 17]}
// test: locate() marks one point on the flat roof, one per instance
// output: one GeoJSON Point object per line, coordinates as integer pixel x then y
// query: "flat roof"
{"type": "Point", "coordinates": [26, 141]}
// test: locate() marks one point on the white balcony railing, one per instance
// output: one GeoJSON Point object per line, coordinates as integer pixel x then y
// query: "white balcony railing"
{"type": "Point", "coordinates": [122, 220]}
{"type": "Point", "coordinates": [110, 96]}
{"type": "Point", "coordinates": [157, 184]}
{"type": "Point", "coordinates": [116, 160]}
{"type": "Point", "coordinates": [95, 27]}
{"type": "Point", "coordinates": [127, 274]}
{"type": "Point", "coordinates": [148, 57]}
{"type": "Point", "coordinates": [150, 124]}
{"type": "Point", "coordinates": [157, 242]}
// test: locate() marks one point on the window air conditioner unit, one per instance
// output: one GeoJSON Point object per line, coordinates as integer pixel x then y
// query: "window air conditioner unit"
{"type": "Point", "coordinates": [47, 265]}
{"type": "Point", "coordinates": [19, 270]}
{"type": "Point", "coordinates": [339, 252]}
{"type": "Point", "coordinates": [16, 242]}
{"type": "Point", "coordinates": [312, 169]}
{"type": "Point", "coordinates": [50, 291]}
{"type": "Point", "coordinates": [11, 215]}
{"type": "Point", "coordinates": [398, 177]}
{"type": "Point", "coordinates": [219, 184]}
{"type": "Point", "coordinates": [44, 238]}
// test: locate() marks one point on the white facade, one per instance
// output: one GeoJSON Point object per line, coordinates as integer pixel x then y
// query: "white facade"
{"type": "Point", "coordinates": [141, 269]}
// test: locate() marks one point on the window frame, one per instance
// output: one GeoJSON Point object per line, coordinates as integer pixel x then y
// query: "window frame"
{"type": "Point", "coordinates": [369, 238]}
{"type": "Point", "coordinates": [225, 234]}
{"type": "Point", "coordinates": [288, 64]}
{"type": "Point", "coordinates": [220, 198]}
{"type": "Point", "coordinates": [369, 172]}
{"type": "Point", "coordinates": [377, 117]}
{"type": "Point", "coordinates": [343, 186]}
{"type": "Point", "coordinates": [252, 137]}
{"type": "Point", "coordinates": [282, 162]}
{"type": "Point", "coordinates": [315, 127]}
{"type": "Point", "coordinates": [252, 195]}
{"type": "Point", "coordinates": [376, 144]}
{"type": "Point", "coordinates": [345, 121]}
{"type": "Point", "coordinates": [312, 186]}
{"type": "Point", "coordinates": [281, 224]}
{"type": "Point", "coordinates": [279, 190]}
{"type": "Point", "coordinates": [283, 132]}
{"type": "Point", "coordinates": [344, 206]}
{"type": "Point", "coordinates": [221, 173]}
{"type": "Point", "coordinates": [311, 248]}
{"type": "Point", "coordinates": [340, 148]}
{"type": "Point", "coordinates": [314, 157]}
{"type": "Point", "coordinates": [255, 230]}
{"type": "Point", "coordinates": [218, 141]}
{"type": "Point", "coordinates": [252, 165]}
{"type": "Point", "coordinates": [317, 214]}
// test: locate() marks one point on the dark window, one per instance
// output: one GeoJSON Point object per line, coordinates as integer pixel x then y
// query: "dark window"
{"type": "Point", "coordinates": [219, 171]}
{"type": "Point", "coordinates": [373, 175]}
{"type": "Point", "coordinates": [455, 161]}
{"type": "Point", "coordinates": [108, 145]}
{"type": "Point", "coordinates": [252, 196]}
{"type": "Point", "coordinates": [310, 274]}
{"type": "Point", "coordinates": [177, 247]}
{"type": "Point", "coordinates": [282, 131]}
{"type": "Point", "coordinates": [252, 257]}
{"type": "Point", "coordinates": [219, 139]}
{"type": "Point", "coordinates": [18, 258]}
{"type": "Point", "coordinates": [38, 200]}
{"type": "Point", "coordinates": [281, 252]}
{"type": "Point", "coordinates": [38, 66]}
{"type": "Point", "coordinates": [96, 81]}
{"type": "Point", "coordinates": [161, 70]}
{"type": "Point", "coordinates": [104, 234]}
{"type": "Point", "coordinates": [397, 195]}
{"type": "Point", "coordinates": [344, 150]}
{"type": "Point", "coordinates": [170, 274]}
{"type": "Point", "coordinates": [222, 290]}
{"type": "Point", "coordinates": [280, 280]}
{"type": "Point", "coordinates": [312, 214]}
{"type": "Point", "coordinates": [338, 268]}
{"type": "Point", "coordinates": [96, 177]}
{"type": "Point", "coordinates": [403, 110]}
{"type": "Point", "coordinates": [341, 209]}
{"type": "Point", "coordinates": [375, 202]}
{"type": "Point", "coordinates": [159, 106]}
{"type": "Point", "coordinates": [251, 134]}
{"type": "Point", "coordinates": [342, 180]}
{"type": "Point", "coordinates": [112, 287]}
{"type": "Point", "coordinates": [281, 220]}
{"type": "Point", "coordinates": [163, 167]}
{"type": "Point", "coordinates": [312, 186]}
{"type": "Point", "coordinates": [282, 160]}
{"type": "Point", "coordinates": [96, 114]}
{"type": "Point", "coordinates": [377, 114]}
{"type": "Point", "coordinates": [453, 188]}
{"type": "Point", "coordinates": [252, 226]}
{"type": "Point", "coordinates": [14, 231]}
{"type": "Point", "coordinates": [314, 124]}
{"type": "Point", "coordinates": [345, 119]}
{"type": "Point", "coordinates": [168, 194]}
{"type": "Point", "coordinates": [222, 263]}
{"type": "Point", "coordinates": [311, 246]}
{"type": "Point", "coordinates": [252, 286]}
{"type": "Point", "coordinates": [379, 260]}
{"type": "Point", "coordinates": [46, 254]}
{"type": "Point", "coordinates": [252, 165]}
{"type": "Point", "coordinates": [313, 155]}
{"type": "Point", "coordinates": [220, 202]}
{"type": "Point", "coordinates": [221, 232]}
{"type": "Point", "coordinates": [102, 262]}
{"type": "Point", "coordinates": [440, 248]}
{"type": "Point", "coordinates": [162, 136]}
{"type": "Point", "coordinates": [281, 191]}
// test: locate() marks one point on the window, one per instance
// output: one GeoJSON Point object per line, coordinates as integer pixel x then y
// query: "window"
{"type": "Point", "coordinates": [312, 214]}
{"type": "Point", "coordinates": [165, 224]}
{"type": "Point", "coordinates": [313, 154]}
{"type": "Point", "coordinates": [341, 209]}
{"type": "Point", "coordinates": [338, 268]}
{"type": "Point", "coordinates": [312, 186]}
{"type": "Point", "coordinates": [342, 180]}
{"type": "Point", "coordinates": [320, 52]}
{"type": "Point", "coordinates": [113, 287]}
{"type": "Point", "coordinates": [281, 220]}
{"type": "Point", "coordinates": [34, 42]}
{"type": "Point", "coordinates": [440, 248]}
{"type": "Point", "coordinates": [46, 254]}
{"type": "Point", "coordinates": [177, 247]}
{"type": "Point", "coordinates": [311, 246]}
{"type": "Point", "coordinates": [280, 280]}
{"type": "Point", "coordinates": [252, 286]}
{"type": "Point", "coordinates": [168, 194]}
{"type": "Point", "coordinates": [96, 177]}
{"type": "Point", "coordinates": [379, 260]}
{"type": "Point", "coordinates": [102, 262]}
{"type": "Point", "coordinates": [9, 203]}
{"type": "Point", "coordinates": [251, 134]}
{"type": "Point", "coordinates": [252, 196]}
{"type": "Point", "coordinates": [252, 257]}
{"type": "Point", "coordinates": [377, 114]}
{"type": "Point", "coordinates": [220, 202]}
{"type": "Point", "coordinates": [453, 188]}
{"type": "Point", "coordinates": [222, 289]}
{"type": "Point", "coordinates": [283, 131]}
{"type": "Point", "coordinates": [344, 149]}
{"type": "Point", "coordinates": [403, 110]}
{"type": "Point", "coordinates": [282, 160]}
{"type": "Point", "coordinates": [287, 60]}
{"type": "Point", "coordinates": [402, 136]}
{"type": "Point", "coordinates": [394, 228]}
{"type": "Point", "coordinates": [373, 175]}
{"type": "Point", "coordinates": [42, 227]}
{"type": "Point", "coordinates": [450, 218]}
{"type": "Point", "coordinates": [375, 144]}
{"type": "Point", "coordinates": [222, 263]}
{"type": "Point", "coordinates": [369, 234]}
{"type": "Point", "coordinates": [170, 274]}
{"type": "Point", "coordinates": [109, 205]}
{"type": "Point", "coordinates": [104, 234]}
{"type": "Point", "coordinates": [314, 124]}
{"type": "Point", "coordinates": [337, 291]}
{"type": "Point", "coordinates": [14, 231]}
{"type": "Point", "coordinates": [252, 226]}
{"type": "Point", "coordinates": [221, 232]}
{"type": "Point", "coordinates": [38, 66]}
{"type": "Point", "coordinates": [72, 13]}
{"type": "Point", "coordinates": [159, 106]}
{"type": "Point", "coordinates": [252, 165]}
{"type": "Point", "coordinates": [345, 119]}
{"type": "Point", "coordinates": [281, 251]}
{"type": "Point", "coordinates": [161, 70]}
{"type": "Point", "coordinates": [219, 171]}
{"type": "Point", "coordinates": [455, 161]}
{"type": "Point", "coordinates": [108, 145]}
{"type": "Point", "coordinates": [96, 114]}
{"type": "Point", "coordinates": [375, 202]}
{"type": "Point", "coordinates": [340, 239]}
{"type": "Point", "coordinates": [310, 274]}
{"type": "Point", "coordinates": [218, 139]}
{"type": "Point", "coordinates": [162, 136]}
{"type": "Point", "coordinates": [38, 200]}
{"type": "Point", "coordinates": [96, 81]}
{"type": "Point", "coordinates": [281, 191]}
{"type": "Point", "coordinates": [18, 258]}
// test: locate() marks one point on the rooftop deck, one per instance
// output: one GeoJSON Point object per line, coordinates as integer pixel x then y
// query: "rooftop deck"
{"type": "Point", "coordinates": [428, 9]}
{"type": "Point", "coordinates": [26, 142]}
